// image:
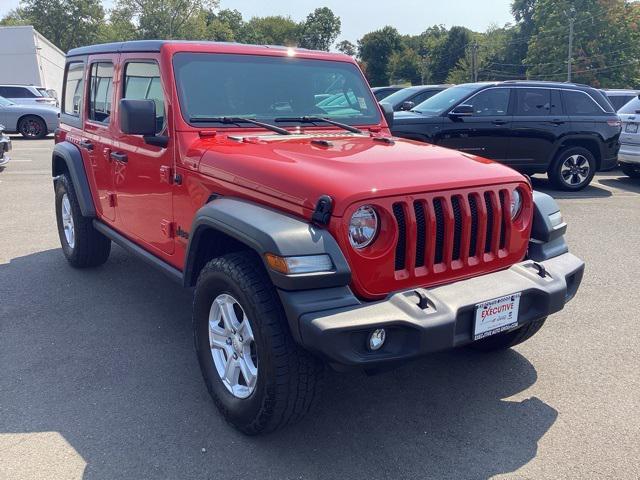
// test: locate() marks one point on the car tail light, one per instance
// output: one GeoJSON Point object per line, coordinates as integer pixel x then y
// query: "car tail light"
{"type": "Point", "coordinates": [614, 123]}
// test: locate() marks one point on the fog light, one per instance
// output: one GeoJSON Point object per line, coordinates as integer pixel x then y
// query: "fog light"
{"type": "Point", "coordinates": [376, 339]}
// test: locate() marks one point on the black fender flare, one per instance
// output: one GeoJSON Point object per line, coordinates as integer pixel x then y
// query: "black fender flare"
{"type": "Point", "coordinates": [266, 230]}
{"type": "Point", "coordinates": [71, 156]}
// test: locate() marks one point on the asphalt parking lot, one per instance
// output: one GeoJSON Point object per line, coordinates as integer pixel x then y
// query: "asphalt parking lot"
{"type": "Point", "coordinates": [99, 379]}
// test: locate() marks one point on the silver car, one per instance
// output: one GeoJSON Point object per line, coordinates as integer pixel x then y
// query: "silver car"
{"type": "Point", "coordinates": [28, 95]}
{"type": "Point", "coordinates": [629, 154]}
{"type": "Point", "coordinates": [32, 121]}
{"type": "Point", "coordinates": [5, 148]}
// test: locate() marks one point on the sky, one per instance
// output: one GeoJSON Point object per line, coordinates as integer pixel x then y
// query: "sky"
{"type": "Point", "coordinates": [362, 16]}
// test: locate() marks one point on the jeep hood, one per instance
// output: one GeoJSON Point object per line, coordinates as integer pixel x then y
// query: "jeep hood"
{"type": "Point", "coordinates": [347, 167]}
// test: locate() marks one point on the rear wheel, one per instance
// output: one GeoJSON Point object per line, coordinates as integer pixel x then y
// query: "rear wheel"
{"type": "Point", "coordinates": [82, 244]}
{"type": "Point", "coordinates": [632, 171]}
{"type": "Point", "coordinates": [32, 127]}
{"type": "Point", "coordinates": [505, 340]}
{"type": "Point", "coordinates": [258, 377]}
{"type": "Point", "coordinates": [573, 169]}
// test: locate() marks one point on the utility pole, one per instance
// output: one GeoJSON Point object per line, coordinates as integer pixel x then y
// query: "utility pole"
{"type": "Point", "coordinates": [474, 62]}
{"type": "Point", "coordinates": [572, 19]}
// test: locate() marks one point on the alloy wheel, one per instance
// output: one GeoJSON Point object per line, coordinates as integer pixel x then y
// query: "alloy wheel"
{"type": "Point", "coordinates": [575, 170]}
{"type": "Point", "coordinates": [233, 347]}
{"type": "Point", "coordinates": [31, 128]}
{"type": "Point", "coordinates": [67, 221]}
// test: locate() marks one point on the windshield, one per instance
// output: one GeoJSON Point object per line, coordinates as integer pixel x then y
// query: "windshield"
{"type": "Point", "coordinates": [443, 101]}
{"type": "Point", "coordinates": [633, 106]}
{"type": "Point", "coordinates": [214, 85]}
{"type": "Point", "coordinates": [4, 102]}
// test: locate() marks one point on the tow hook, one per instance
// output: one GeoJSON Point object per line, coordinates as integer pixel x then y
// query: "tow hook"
{"type": "Point", "coordinates": [542, 272]}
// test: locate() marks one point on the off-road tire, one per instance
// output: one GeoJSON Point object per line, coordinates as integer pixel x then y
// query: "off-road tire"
{"type": "Point", "coordinates": [502, 341]}
{"type": "Point", "coordinates": [556, 166]}
{"type": "Point", "coordinates": [91, 248]}
{"type": "Point", "coordinates": [632, 171]}
{"type": "Point", "coordinates": [39, 122]}
{"type": "Point", "coordinates": [289, 378]}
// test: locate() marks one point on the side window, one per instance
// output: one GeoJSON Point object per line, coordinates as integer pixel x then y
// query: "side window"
{"type": "Point", "coordinates": [421, 97]}
{"type": "Point", "coordinates": [579, 103]}
{"type": "Point", "coordinates": [17, 92]}
{"type": "Point", "coordinates": [142, 82]}
{"type": "Point", "coordinates": [100, 92]}
{"type": "Point", "coordinates": [490, 102]}
{"type": "Point", "coordinates": [73, 89]}
{"type": "Point", "coordinates": [532, 102]}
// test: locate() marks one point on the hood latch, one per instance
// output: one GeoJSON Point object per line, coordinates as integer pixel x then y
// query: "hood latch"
{"type": "Point", "coordinates": [322, 213]}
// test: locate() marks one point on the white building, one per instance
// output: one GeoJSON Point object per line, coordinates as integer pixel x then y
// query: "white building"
{"type": "Point", "coordinates": [27, 58]}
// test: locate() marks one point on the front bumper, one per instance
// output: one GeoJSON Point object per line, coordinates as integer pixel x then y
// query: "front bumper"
{"type": "Point", "coordinates": [422, 320]}
{"type": "Point", "coordinates": [5, 147]}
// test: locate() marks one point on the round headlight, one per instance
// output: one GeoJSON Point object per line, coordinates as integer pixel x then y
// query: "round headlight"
{"type": "Point", "coordinates": [363, 227]}
{"type": "Point", "coordinates": [516, 203]}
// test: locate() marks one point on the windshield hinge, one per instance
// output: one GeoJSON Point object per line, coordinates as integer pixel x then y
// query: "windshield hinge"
{"type": "Point", "coordinates": [322, 213]}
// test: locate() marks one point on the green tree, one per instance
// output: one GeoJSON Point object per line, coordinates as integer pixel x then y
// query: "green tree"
{"type": "Point", "coordinates": [320, 29]}
{"type": "Point", "coordinates": [274, 30]}
{"type": "Point", "coordinates": [346, 47]}
{"type": "Point", "coordinates": [375, 50]}
{"type": "Point", "coordinates": [405, 66]}
{"type": "Point", "coordinates": [66, 23]}
{"type": "Point", "coordinates": [225, 26]}
{"type": "Point", "coordinates": [606, 42]}
{"type": "Point", "coordinates": [447, 53]}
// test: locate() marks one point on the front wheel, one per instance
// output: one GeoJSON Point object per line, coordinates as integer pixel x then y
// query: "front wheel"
{"type": "Point", "coordinates": [502, 341]}
{"type": "Point", "coordinates": [573, 169]}
{"type": "Point", "coordinates": [258, 377]}
{"type": "Point", "coordinates": [632, 171]}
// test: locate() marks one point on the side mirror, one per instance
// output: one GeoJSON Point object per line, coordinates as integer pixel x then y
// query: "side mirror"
{"type": "Point", "coordinates": [408, 105]}
{"type": "Point", "coordinates": [138, 117]}
{"type": "Point", "coordinates": [462, 111]}
{"type": "Point", "coordinates": [387, 110]}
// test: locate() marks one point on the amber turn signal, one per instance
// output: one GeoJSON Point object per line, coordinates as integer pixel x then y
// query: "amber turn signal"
{"type": "Point", "coordinates": [300, 264]}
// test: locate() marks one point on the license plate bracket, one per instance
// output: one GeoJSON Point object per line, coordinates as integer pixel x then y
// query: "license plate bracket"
{"type": "Point", "coordinates": [631, 128]}
{"type": "Point", "coordinates": [496, 315]}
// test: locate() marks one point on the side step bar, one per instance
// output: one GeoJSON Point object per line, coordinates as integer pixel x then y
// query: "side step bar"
{"type": "Point", "coordinates": [131, 247]}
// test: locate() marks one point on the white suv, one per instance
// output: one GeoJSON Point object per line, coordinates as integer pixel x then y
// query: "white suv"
{"type": "Point", "coordinates": [27, 95]}
{"type": "Point", "coordinates": [629, 154]}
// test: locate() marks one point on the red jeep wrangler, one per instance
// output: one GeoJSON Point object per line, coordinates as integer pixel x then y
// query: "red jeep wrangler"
{"type": "Point", "coordinates": [266, 178]}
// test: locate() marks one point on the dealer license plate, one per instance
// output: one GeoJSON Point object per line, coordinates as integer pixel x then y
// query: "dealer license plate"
{"type": "Point", "coordinates": [497, 315]}
{"type": "Point", "coordinates": [631, 128]}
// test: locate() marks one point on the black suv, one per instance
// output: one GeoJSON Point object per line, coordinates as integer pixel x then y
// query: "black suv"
{"type": "Point", "coordinates": [567, 130]}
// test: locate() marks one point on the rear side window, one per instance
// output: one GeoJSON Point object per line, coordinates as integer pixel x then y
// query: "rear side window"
{"type": "Point", "coordinates": [73, 89]}
{"type": "Point", "coordinates": [142, 82]}
{"type": "Point", "coordinates": [632, 107]}
{"type": "Point", "coordinates": [490, 102]}
{"type": "Point", "coordinates": [16, 92]}
{"type": "Point", "coordinates": [577, 102]}
{"type": "Point", "coordinates": [532, 102]}
{"type": "Point", "coordinates": [100, 92]}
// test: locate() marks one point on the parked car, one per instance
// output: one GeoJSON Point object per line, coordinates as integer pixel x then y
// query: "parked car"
{"type": "Point", "coordinates": [409, 97]}
{"type": "Point", "coordinates": [629, 155]}
{"type": "Point", "coordinates": [5, 148]}
{"type": "Point", "coordinates": [383, 92]}
{"type": "Point", "coordinates": [27, 95]}
{"type": "Point", "coordinates": [567, 130]}
{"type": "Point", "coordinates": [620, 97]}
{"type": "Point", "coordinates": [311, 238]}
{"type": "Point", "coordinates": [31, 121]}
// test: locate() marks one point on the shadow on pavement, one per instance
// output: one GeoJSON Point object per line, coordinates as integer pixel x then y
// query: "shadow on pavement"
{"type": "Point", "coordinates": [591, 191]}
{"type": "Point", "coordinates": [623, 183]}
{"type": "Point", "coordinates": [105, 358]}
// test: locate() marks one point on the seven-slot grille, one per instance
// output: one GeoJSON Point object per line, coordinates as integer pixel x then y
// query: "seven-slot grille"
{"type": "Point", "coordinates": [442, 232]}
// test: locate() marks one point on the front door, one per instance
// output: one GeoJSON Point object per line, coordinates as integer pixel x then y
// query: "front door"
{"type": "Point", "coordinates": [484, 133]}
{"type": "Point", "coordinates": [142, 172]}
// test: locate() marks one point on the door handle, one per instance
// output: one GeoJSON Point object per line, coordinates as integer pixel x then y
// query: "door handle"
{"type": "Point", "coordinates": [557, 122]}
{"type": "Point", "coordinates": [499, 122]}
{"type": "Point", "coordinates": [119, 157]}
{"type": "Point", "coordinates": [86, 144]}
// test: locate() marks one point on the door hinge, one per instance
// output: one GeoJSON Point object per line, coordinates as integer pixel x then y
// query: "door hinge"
{"type": "Point", "coordinates": [168, 228]}
{"type": "Point", "coordinates": [113, 200]}
{"type": "Point", "coordinates": [166, 174]}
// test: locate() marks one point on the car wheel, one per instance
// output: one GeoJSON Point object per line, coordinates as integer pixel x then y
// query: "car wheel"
{"type": "Point", "coordinates": [632, 171]}
{"type": "Point", "coordinates": [502, 341]}
{"type": "Point", "coordinates": [258, 377]}
{"type": "Point", "coordinates": [32, 127]}
{"type": "Point", "coordinates": [573, 169]}
{"type": "Point", "coordinates": [82, 244]}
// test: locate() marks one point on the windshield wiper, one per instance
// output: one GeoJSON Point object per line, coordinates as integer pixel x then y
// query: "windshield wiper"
{"type": "Point", "coordinates": [228, 120]}
{"type": "Point", "coordinates": [319, 119]}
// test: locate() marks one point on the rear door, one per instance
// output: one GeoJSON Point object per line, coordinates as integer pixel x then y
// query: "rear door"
{"type": "Point", "coordinates": [143, 173]}
{"type": "Point", "coordinates": [538, 121]}
{"type": "Point", "coordinates": [486, 132]}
